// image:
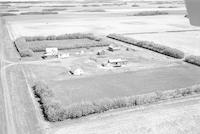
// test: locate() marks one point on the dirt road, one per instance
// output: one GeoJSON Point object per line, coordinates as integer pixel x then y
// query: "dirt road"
{"type": "Point", "coordinates": [17, 113]}
{"type": "Point", "coordinates": [3, 127]}
{"type": "Point", "coordinates": [7, 122]}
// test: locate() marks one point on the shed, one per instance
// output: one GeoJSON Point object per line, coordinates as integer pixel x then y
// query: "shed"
{"type": "Point", "coordinates": [118, 62]}
{"type": "Point", "coordinates": [113, 48]}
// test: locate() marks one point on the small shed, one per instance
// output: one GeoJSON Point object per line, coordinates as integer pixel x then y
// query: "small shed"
{"type": "Point", "coordinates": [118, 62]}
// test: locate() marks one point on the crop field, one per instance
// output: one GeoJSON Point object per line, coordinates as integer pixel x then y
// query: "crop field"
{"type": "Point", "coordinates": [187, 41]}
{"type": "Point", "coordinates": [100, 24]}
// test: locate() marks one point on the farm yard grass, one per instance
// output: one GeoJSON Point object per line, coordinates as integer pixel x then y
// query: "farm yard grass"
{"type": "Point", "coordinates": [116, 85]}
{"type": "Point", "coordinates": [92, 63]}
{"type": "Point", "coordinates": [80, 93]}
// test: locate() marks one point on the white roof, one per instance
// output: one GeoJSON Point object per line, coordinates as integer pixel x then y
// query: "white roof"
{"type": "Point", "coordinates": [115, 47]}
{"type": "Point", "coordinates": [117, 60]}
{"type": "Point", "coordinates": [77, 71]}
{"type": "Point", "coordinates": [52, 50]}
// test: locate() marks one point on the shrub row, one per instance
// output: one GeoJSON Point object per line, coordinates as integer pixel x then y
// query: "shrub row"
{"type": "Point", "coordinates": [38, 13]}
{"type": "Point", "coordinates": [167, 6]}
{"type": "Point", "coordinates": [150, 45]}
{"type": "Point", "coordinates": [60, 6]}
{"type": "Point", "coordinates": [86, 108]}
{"type": "Point", "coordinates": [193, 60]}
{"type": "Point", "coordinates": [92, 10]}
{"type": "Point", "coordinates": [26, 48]}
{"type": "Point", "coordinates": [64, 37]}
{"type": "Point", "coordinates": [149, 13]}
{"type": "Point", "coordinates": [7, 14]}
{"type": "Point", "coordinates": [23, 48]}
{"type": "Point", "coordinates": [13, 10]}
{"type": "Point", "coordinates": [23, 6]}
{"type": "Point", "coordinates": [54, 9]}
{"type": "Point", "coordinates": [54, 111]}
{"type": "Point", "coordinates": [39, 46]}
{"type": "Point", "coordinates": [51, 108]}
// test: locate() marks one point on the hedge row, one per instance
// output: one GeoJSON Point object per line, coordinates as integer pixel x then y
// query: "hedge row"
{"type": "Point", "coordinates": [7, 14]}
{"type": "Point", "coordinates": [150, 45]}
{"type": "Point", "coordinates": [60, 6]}
{"type": "Point", "coordinates": [23, 48]}
{"type": "Point", "coordinates": [64, 37]}
{"type": "Point", "coordinates": [13, 10]}
{"type": "Point", "coordinates": [40, 46]}
{"type": "Point", "coordinates": [92, 10]}
{"type": "Point", "coordinates": [38, 13]}
{"type": "Point", "coordinates": [193, 60]}
{"type": "Point", "coordinates": [54, 9]}
{"type": "Point", "coordinates": [149, 13]}
{"type": "Point", "coordinates": [51, 108]}
{"type": "Point", "coordinates": [54, 111]}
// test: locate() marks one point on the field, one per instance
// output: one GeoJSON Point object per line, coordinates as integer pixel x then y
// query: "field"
{"type": "Point", "coordinates": [100, 24]}
{"type": "Point", "coordinates": [150, 84]}
{"type": "Point", "coordinates": [187, 41]}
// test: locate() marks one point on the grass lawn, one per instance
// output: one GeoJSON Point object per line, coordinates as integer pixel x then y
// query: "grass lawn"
{"type": "Point", "coordinates": [70, 91]}
{"type": "Point", "coordinates": [125, 84]}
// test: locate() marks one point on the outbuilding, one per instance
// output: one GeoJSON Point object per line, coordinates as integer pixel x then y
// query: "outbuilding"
{"type": "Point", "coordinates": [113, 48]}
{"type": "Point", "coordinates": [118, 62]}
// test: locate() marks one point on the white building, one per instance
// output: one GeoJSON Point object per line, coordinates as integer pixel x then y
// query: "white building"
{"type": "Point", "coordinates": [117, 62]}
{"type": "Point", "coordinates": [113, 48]}
{"type": "Point", "coordinates": [51, 52]}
